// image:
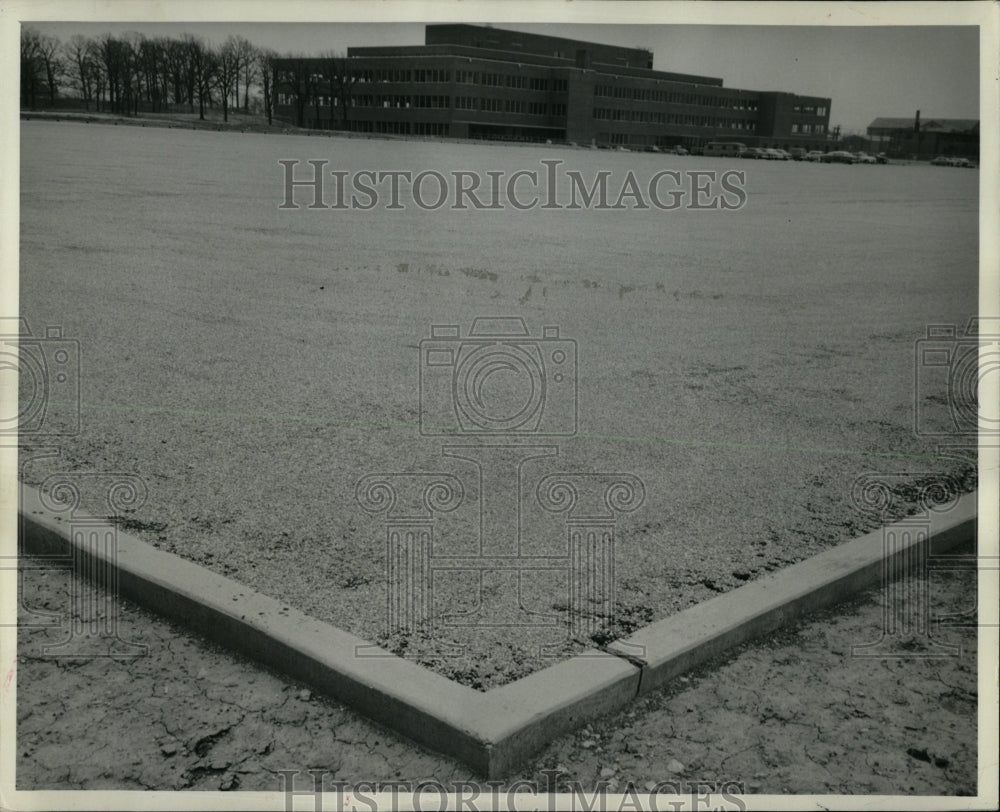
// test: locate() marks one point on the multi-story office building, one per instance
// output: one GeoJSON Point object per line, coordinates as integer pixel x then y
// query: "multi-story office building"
{"type": "Point", "coordinates": [471, 81]}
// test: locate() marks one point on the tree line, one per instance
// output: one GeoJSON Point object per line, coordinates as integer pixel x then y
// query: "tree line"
{"type": "Point", "coordinates": [128, 72]}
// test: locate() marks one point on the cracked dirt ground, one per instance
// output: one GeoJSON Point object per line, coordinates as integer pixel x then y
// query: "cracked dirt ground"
{"type": "Point", "coordinates": [793, 713]}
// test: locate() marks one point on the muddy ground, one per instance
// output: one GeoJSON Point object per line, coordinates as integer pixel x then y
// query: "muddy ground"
{"type": "Point", "coordinates": [794, 713]}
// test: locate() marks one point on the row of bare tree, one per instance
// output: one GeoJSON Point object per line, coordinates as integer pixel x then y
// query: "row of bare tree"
{"type": "Point", "coordinates": [122, 73]}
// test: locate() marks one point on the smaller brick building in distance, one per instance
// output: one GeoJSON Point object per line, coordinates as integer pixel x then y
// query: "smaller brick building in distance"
{"type": "Point", "coordinates": [911, 137]}
{"type": "Point", "coordinates": [470, 81]}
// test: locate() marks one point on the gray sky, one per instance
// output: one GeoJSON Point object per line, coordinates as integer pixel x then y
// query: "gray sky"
{"type": "Point", "coordinates": [868, 72]}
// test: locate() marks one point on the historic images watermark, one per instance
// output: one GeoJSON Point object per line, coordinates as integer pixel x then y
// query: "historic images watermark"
{"type": "Point", "coordinates": [951, 367]}
{"type": "Point", "coordinates": [44, 372]}
{"type": "Point", "coordinates": [497, 388]}
{"type": "Point", "coordinates": [547, 188]}
{"type": "Point", "coordinates": [909, 565]}
{"type": "Point", "coordinates": [556, 793]}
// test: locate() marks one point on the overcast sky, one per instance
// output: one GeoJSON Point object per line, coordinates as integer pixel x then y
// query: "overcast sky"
{"type": "Point", "coordinates": [868, 72]}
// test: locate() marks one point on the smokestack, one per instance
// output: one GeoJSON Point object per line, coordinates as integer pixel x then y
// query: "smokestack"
{"type": "Point", "coordinates": [916, 123]}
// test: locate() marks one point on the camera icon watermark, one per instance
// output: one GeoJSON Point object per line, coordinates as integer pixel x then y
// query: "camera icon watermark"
{"type": "Point", "coordinates": [90, 620]}
{"type": "Point", "coordinates": [497, 379]}
{"type": "Point", "coordinates": [909, 628]}
{"type": "Point", "coordinates": [45, 373]}
{"type": "Point", "coordinates": [519, 523]}
{"type": "Point", "coordinates": [952, 367]}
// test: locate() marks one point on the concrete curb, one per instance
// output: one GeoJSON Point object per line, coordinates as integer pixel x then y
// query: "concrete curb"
{"type": "Point", "coordinates": [689, 638]}
{"type": "Point", "coordinates": [491, 732]}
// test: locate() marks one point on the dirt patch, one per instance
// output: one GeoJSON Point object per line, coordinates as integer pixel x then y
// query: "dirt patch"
{"type": "Point", "coordinates": [793, 714]}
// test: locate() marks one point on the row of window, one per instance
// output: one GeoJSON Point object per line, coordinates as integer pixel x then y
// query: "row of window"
{"type": "Point", "coordinates": [400, 102]}
{"type": "Point", "coordinates": [400, 127]}
{"type": "Point", "coordinates": [810, 109]}
{"type": "Point", "coordinates": [659, 117]}
{"type": "Point", "coordinates": [401, 75]}
{"type": "Point", "coordinates": [808, 128]}
{"type": "Point", "coordinates": [540, 83]}
{"type": "Point", "coordinates": [649, 94]}
{"type": "Point", "coordinates": [378, 75]}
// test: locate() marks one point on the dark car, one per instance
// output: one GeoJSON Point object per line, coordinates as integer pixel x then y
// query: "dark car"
{"type": "Point", "coordinates": [882, 158]}
{"type": "Point", "coordinates": [753, 152]}
{"type": "Point", "coordinates": [797, 153]}
{"type": "Point", "coordinates": [839, 156]}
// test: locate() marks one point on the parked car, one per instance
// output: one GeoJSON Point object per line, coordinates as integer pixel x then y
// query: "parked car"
{"type": "Point", "coordinates": [679, 150]}
{"type": "Point", "coordinates": [882, 158]}
{"type": "Point", "coordinates": [752, 152]}
{"type": "Point", "coordinates": [966, 163]}
{"type": "Point", "coordinates": [724, 149]}
{"type": "Point", "coordinates": [839, 156]}
{"type": "Point", "coordinates": [943, 160]}
{"type": "Point", "coordinates": [782, 155]}
{"type": "Point", "coordinates": [864, 158]}
{"type": "Point", "coordinates": [813, 155]}
{"type": "Point", "coordinates": [797, 153]}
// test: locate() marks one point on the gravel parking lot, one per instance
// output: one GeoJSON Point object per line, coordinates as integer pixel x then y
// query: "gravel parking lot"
{"type": "Point", "coordinates": [251, 364]}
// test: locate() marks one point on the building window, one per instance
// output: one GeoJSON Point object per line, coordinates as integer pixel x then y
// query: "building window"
{"type": "Point", "coordinates": [558, 109]}
{"type": "Point", "coordinates": [560, 85]}
{"type": "Point", "coordinates": [513, 106]}
{"type": "Point", "coordinates": [820, 111]}
{"type": "Point", "coordinates": [430, 101]}
{"type": "Point", "coordinates": [492, 105]}
{"type": "Point", "coordinates": [537, 108]}
{"type": "Point", "coordinates": [466, 103]}
{"type": "Point", "coordinates": [430, 128]}
{"type": "Point", "coordinates": [539, 83]}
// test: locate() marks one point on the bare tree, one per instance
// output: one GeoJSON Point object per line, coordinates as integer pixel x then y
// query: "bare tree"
{"type": "Point", "coordinates": [82, 67]}
{"type": "Point", "coordinates": [32, 69]}
{"type": "Point", "coordinates": [177, 68]}
{"type": "Point", "coordinates": [337, 70]}
{"type": "Point", "coordinates": [114, 59]}
{"type": "Point", "coordinates": [296, 79]}
{"type": "Point", "coordinates": [248, 67]}
{"type": "Point", "coordinates": [204, 67]}
{"type": "Point", "coordinates": [227, 73]}
{"type": "Point", "coordinates": [49, 51]}
{"type": "Point", "coordinates": [266, 71]}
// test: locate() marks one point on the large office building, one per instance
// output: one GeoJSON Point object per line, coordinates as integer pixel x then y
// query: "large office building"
{"type": "Point", "coordinates": [470, 81]}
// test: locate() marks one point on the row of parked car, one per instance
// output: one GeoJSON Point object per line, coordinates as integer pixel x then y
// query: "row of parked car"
{"type": "Point", "coordinates": [839, 156]}
{"type": "Point", "coordinates": [733, 149]}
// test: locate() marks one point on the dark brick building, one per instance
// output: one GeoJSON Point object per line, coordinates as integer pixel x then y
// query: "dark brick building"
{"type": "Point", "coordinates": [905, 137]}
{"type": "Point", "coordinates": [471, 81]}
